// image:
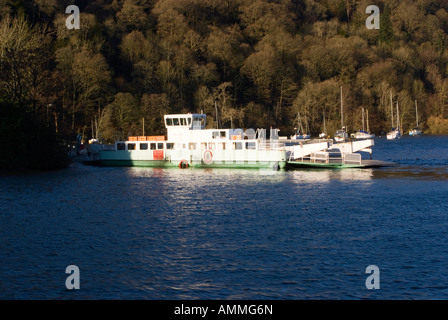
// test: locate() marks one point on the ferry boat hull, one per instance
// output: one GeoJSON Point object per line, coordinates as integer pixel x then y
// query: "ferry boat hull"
{"type": "Point", "coordinates": [273, 159]}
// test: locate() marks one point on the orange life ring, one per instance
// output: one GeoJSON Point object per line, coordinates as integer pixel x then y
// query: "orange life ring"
{"type": "Point", "coordinates": [207, 157]}
{"type": "Point", "coordinates": [183, 164]}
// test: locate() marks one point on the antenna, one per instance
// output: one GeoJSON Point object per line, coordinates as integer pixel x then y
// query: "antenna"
{"type": "Point", "coordinates": [216, 111]}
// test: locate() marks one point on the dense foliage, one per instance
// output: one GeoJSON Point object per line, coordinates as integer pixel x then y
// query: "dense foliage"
{"type": "Point", "coordinates": [262, 62]}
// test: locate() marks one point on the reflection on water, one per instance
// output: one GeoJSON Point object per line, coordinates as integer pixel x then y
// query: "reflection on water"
{"type": "Point", "coordinates": [145, 233]}
{"type": "Point", "coordinates": [326, 175]}
{"type": "Point", "coordinates": [412, 172]}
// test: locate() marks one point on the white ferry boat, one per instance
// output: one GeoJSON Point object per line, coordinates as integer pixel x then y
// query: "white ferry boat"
{"type": "Point", "coordinates": [189, 144]}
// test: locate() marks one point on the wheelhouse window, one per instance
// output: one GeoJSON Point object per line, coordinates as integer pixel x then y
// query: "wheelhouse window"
{"type": "Point", "coordinates": [160, 146]}
{"type": "Point", "coordinates": [153, 146]}
{"type": "Point", "coordinates": [198, 122]}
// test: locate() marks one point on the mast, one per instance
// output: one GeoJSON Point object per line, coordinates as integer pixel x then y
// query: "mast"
{"type": "Point", "coordinates": [363, 127]}
{"type": "Point", "coordinates": [307, 126]}
{"type": "Point", "coordinates": [416, 112]}
{"type": "Point", "coordinates": [367, 118]}
{"type": "Point", "coordinates": [216, 112]}
{"type": "Point", "coordinates": [398, 119]}
{"type": "Point", "coordinates": [342, 111]}
{"type": "Point", "coordinates": [391, 109]}
{"type": "Point", "coordinates": [325, 126]}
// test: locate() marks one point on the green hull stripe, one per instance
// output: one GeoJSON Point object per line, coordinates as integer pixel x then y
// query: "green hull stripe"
{"type": "Point", "coordinates": [167, 164]}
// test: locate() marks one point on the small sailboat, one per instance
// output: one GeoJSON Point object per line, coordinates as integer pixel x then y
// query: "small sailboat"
{"type": "Point", "coordinates": [416, 131]}
{"type": "Point", "coordinates": [300, 133]}
{"type": "Point", "coordinates": [306, 134]}
{"type": "Point", "coordinates": [324, 133]}
{"type": "Point", "coordinates": [394, 133]}
{"type": "Point", "coordinates": [363, 134]}
{"type": "Point", "coordinates": [341, 134]}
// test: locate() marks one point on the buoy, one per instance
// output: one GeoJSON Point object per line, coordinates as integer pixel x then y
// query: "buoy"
{"type": "Point", "coordinates": [207, 157]}
{"type": "Point", "coordinates": [183, 164]}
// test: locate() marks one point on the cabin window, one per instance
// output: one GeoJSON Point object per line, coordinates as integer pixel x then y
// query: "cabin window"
{"type": "Point", "coordinates": [212, 146]}
{"type": "Point", "coordinates": [218, 134]}
{"type": "Point", "coordinates": [170, 146]}
{"type": "Point", "coordinates": [189, 121]}
{"type": "Point", "coordinates": [143, 146]}
{"type": "Point", "coordinates": [131, 146]}
{"type": "Point", "coordinates": [237, 146]}
{"type": "Point", "coordinates": [175, 121]}
{"type": "Point", "coordinates": [203, 145]}
{"type": "Point", "coordinates": [152, 146]}
{"type": "Point", "coordinates": [251, 145]}
{"type": "Point", "coordinates": [121, 146]}
{"type": "Point", "coordinates": [169, 122]}
{"type": "Point", "coordinates": [160, 146]}
{"type": "Point", "coordinates": [183, 121]}
{"type": "Point", "coordinates": [221, 146]}
{"type": "Point", "coordinates": [192, 146]}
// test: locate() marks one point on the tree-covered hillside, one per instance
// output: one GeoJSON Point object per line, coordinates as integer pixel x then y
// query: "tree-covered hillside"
{"type": "Point", "coordinates": [261, 61]}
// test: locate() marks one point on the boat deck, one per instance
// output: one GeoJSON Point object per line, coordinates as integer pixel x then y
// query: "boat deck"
{"type": "Point", "coordinates": [340, 165]}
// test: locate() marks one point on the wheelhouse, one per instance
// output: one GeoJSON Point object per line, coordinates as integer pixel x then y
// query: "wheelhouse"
{"type": "Point", "coordinates": [190, 121]}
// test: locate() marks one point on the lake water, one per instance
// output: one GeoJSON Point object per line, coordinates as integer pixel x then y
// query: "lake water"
{"type": "Point", "coordinates": [142, 233]}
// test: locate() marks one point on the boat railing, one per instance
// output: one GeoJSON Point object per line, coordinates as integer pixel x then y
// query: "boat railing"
{"type": "Point", "coordinates": [329, 157]}
{"type": "Point", "coordinates": [352, 158]}
{"type": "Point", "coordinates": [272, 145]}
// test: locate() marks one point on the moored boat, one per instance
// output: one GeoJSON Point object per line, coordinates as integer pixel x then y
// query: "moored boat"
{"type": "Point", "coordinates": [394, 133]}
{"type": "Point", "coordinates": [189, 144]}
{"type": "Point", "coordinates": [341, 135]}
{"type": "Point", "coordinates": [363, 134]}
{"type": "Point", "coordinates": [301, 134]}
{"type": "Point", "coordinates": [416, 131]}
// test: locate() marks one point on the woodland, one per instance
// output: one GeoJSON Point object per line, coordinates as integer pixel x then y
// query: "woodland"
{"type": "Point", "coordinates": [245, 63]}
